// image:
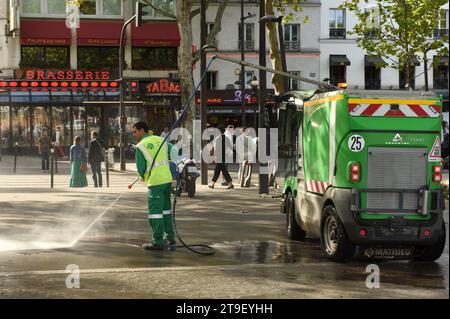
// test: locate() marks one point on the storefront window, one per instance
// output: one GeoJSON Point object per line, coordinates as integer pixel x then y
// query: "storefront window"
{"type": "Point", "coordinates": [93, 119]}
{"type": "Point", "coordinates": [21, 125]}
{"type": "Point", "coordinates": [4, 123]}
{"type": "Point", "coordinates": [155, 59]}
{"type": "Point", "coordinates": [41, 122]}
{"type": "Point", "coordinates": [114, 126]}
{"type": "Point", "coordinates": [61, 120]}
{"type": "Point", "coordinates": [45, 56]}
{"type": "Point", "coordinates": [98, 57]}
{"type": "Point", "coordinates": [79, 123]}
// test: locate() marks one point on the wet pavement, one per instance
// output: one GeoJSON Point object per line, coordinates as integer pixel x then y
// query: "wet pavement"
{"type": "Point", "coordinates": [253, 258]}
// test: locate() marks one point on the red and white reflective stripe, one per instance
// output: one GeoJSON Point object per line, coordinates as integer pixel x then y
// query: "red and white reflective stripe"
{"type": "Point", "coordinates": [404, 110]}
{"type": "Point", "coordinates": [317, 186]}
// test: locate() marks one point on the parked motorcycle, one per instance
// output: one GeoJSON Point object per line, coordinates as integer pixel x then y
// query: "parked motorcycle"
{"type": "Point", "coordinates": [185, 172]}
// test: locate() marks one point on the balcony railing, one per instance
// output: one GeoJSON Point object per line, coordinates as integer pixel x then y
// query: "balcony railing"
{"type": "Point", "coordinates": [439, 33]}
{"type": "Point", "coordinates": [440, 83]}
{"type": "Point", "coordinates": [373, 84]}
{"type": "Point", "coordinates": [248, 45]}
{"type": "Point", "coordinates": [337, 33]}
{"type": "Point", "coordinates": [292, 45]}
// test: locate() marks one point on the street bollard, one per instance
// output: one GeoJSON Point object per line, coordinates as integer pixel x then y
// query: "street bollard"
{"type": "Point", "coordinates": [52, 155]}
{"type": "Point", "coordinates": [15, 155]}
{"type": "Point", "coordinates": [107, 168]}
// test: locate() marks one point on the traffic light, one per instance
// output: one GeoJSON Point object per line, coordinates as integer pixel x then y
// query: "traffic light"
{"type": "Point", "coordinates": [140, 13]}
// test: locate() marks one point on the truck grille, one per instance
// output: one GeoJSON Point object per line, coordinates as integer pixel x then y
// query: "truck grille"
{"type": "Point", "coordinates": [395, 168]}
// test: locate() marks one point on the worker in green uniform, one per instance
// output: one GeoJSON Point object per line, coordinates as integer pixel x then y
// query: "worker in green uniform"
{"type": "Point", "coordinates": [159, 180]}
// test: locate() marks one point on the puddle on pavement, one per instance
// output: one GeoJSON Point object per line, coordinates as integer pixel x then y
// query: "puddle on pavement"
{"type": "Point", "coordinates": [17, 245]}
{"type": "Point", "coordinates": [254, 251]}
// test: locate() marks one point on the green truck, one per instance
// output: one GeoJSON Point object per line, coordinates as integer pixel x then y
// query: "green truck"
{"type": "Point", "coordinates": [362, 171]}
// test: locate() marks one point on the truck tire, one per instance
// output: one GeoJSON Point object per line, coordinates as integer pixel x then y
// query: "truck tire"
{"type": "Point", "coordinates": [432, 253]}
{"type": "Point", "coordinates": [333, 237]}
{"type": "Point", "coordinates": [293, 229]}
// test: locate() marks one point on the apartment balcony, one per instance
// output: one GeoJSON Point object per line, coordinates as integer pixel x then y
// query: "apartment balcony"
{"type": "Point", "coordinates": [440, 33]}
{"type": "Point", "coordinates": [292, 45]}
{"type": "Point", "coordinates": [337, 33]}
{"type": "Point", "coordinates": [249, 45]}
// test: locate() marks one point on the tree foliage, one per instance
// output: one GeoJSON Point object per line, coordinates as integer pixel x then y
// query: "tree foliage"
{"type": "Point", "coordinates": [397, 30]}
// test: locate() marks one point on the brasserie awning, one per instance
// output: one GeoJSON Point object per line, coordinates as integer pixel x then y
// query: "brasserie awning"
{"type": "Point", "coordinates": [39, 32]}
{"type": "Point", "coordinates": [99, 33]}
{"type": "Point", "coordinates": [156, 35]}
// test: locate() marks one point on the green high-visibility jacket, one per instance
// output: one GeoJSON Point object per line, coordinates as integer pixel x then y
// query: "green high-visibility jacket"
{"type": "Point", "coordinates": [145, 155]}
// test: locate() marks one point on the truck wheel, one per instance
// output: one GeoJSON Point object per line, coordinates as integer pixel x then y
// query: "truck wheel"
{"type": "Point", "coordinates": [334, 239]}
{"type": "Point", "coordinates": [293, 229]}
{"type": "Point", "coordinates": [431, 253]}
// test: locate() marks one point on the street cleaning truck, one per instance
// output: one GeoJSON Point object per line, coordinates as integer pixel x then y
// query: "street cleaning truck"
{"type": "Point", "coordinates": [362, 171]}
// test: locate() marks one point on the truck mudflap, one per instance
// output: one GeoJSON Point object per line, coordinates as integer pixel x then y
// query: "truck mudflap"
{"type": "Point", "coordinates": [395, 231]}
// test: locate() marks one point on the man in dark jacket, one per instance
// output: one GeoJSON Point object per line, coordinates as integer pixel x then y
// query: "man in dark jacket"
{"type": "Point", "coordinates": [95, 158]}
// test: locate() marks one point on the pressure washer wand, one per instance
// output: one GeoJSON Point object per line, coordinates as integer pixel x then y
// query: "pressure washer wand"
{"type": "Point", "coordinates": [134, 182]}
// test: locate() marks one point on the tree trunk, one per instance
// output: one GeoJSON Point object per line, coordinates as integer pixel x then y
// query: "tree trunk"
{"type": "Point", "coordinates": [425, 69]}
{"type": "Point", "coordinates": [275, 54]}
{"type": "Point", "coordinates": [185, 59]}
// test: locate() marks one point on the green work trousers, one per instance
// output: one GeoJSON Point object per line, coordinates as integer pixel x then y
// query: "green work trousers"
{"type": "Point", "coordinates": [160, 213]}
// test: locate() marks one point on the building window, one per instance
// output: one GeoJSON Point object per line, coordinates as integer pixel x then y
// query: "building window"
{"type": "Point", "coordinates": [155, 58]}
{"type": "Point", "coordinates": [209, 27]}
{"type": "Point", "coordinates": [168, 6]}
{"type": "Point", "coordinates": [58, 7]}
{"type": "Point", "coordinates": [211, 80]}
{"type": "Point", "coordinates": [292, 37]}
{"type": "Point", "coordinates": [112, 7]}
{"type": "Point", "coordinates": [337, 24]}
{"type": "Point", "coordinates": [88, 7]}
{"type": "Point", "coordinates": [338, 69]}
{"type": "Point", "coordinates": [373, 22]}
{"type": "Point", "coordinates": [45, 56]}
{"type": "Point", "coordinates": [248, 36]}
{"type": "Point", "coordinates": [248, 78]}
{"type": "Point", "coordinates": [31, 6]}
{"type": "Point", "coordinates": [441, 29]}
{"type": "Point", "coordinates": [372, 77]}
{"type": "Point", "coordinates": [98, 58]}
{"type": "Point", "coordinates": [440, 72]}
{"type": "Point", "coordinates": [294, 84]}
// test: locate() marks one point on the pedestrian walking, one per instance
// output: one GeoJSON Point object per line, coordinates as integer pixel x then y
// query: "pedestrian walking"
{"type": "Point", "coordinates": [58, 143]}
{"type": "Point", "coordinates": [78, 164]}
{"type": "Point", "coordinates": [95, 158]}
{"type": "Point", "coordinates": [159, 181]}
{"type": "Point", "coordinates": [223, 150]}
{"type": "Point", "coordinates": [45, 145]}
{"type": "Point", "coordinates": [245, 151]}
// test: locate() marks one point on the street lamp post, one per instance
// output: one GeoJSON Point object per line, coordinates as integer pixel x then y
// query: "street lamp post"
{"type": "Point", "coordinates": [203, 88]}
{"type": "Point", "coordinates": [121, 89]}
{"type": "Point", "coordinates": [279, 21]}
{"type": "Point", "coordinates": [242, 74]}
{"type": "Point", "coordinates": [263, 178]}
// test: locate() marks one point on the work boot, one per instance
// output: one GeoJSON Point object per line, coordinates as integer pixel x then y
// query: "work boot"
{"type": "Point", "coordinates": [152, 246]}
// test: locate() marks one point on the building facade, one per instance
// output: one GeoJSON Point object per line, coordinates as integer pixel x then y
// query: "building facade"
{"type": "Point", "coordinates": [302, 57]}
{"type": "Point", "coordinates": [341, 60]}
{"type": "Point", "coordinates": [58, 75]}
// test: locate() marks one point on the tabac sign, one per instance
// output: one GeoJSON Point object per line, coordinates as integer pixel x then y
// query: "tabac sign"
{"type": "Point", "coordinates": [159, 86]}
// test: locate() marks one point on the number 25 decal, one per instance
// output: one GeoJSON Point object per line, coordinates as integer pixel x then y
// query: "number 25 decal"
{"type": "Point", "coordinates": [356, 143]}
